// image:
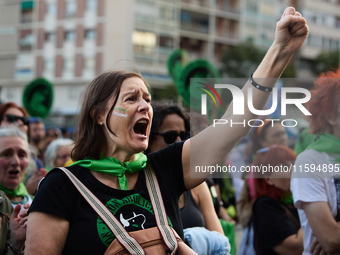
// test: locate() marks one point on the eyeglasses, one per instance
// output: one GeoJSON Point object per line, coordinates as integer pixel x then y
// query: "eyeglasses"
{"type": "Point", "coordinates": [14, 118]}
{"type": "Point", "coordinates": [171, 136]}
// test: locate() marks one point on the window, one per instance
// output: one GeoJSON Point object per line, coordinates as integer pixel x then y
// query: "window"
{"type": "Point", "coordinates": [144, 42]}
{"type": "Point", "coordinates": [68, 64]}
{"type": "Point", "coordinates": [337, 22]}
{"type": "Point", "coordinates": [166, 42]}
{"type": "Point", "coordinates": [49, 64]}
{"type": "Point", "coordinates": [70, 36]}
{"type": "Point", "coordinates": [90, 34]}
{"type": "Point", "coordinates": [195, 22]}
{"type": "Point", "coordinates": [71, 9]}
{"type": "Point", "coordinates": [49, 37]}
{"type": "Point", "coordinates": [26, 42]}
{"type": "Point", "coordinates": [27, 16]}
{"type": "Point", "coordinates": [251, 7]}
{"type": "Point", "coordinates": [334, 44]}
{"type": "Point", "coordinates": [91, 5]}
{"type": "Point", "coordinates": [89, 63]}
{"type": "Point", "coordinates": [51, 9]}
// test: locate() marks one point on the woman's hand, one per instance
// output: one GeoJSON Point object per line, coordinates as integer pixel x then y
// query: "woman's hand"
{"type": "Point", "coordinates": [291, 31]}
{"type": "Point", "coordinates": [17, 225]}
{"type": "Point", "coordinates": [33, 181]}
{"type": "Point", "coordinates": [316, 248]}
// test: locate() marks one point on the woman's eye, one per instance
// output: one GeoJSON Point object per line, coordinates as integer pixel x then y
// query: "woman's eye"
{"type": "Point", "coordinates": [5, 155]}
{"type": "Point", "coordinates": [131, 98]}
{"type": "Point", "coordinates": [148, 100]}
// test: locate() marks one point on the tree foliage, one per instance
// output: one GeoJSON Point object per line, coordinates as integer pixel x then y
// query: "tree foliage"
{"type": "Point", "coordinates": [326, 61]}
{"type": "Point", "coordinates": [243, 59]}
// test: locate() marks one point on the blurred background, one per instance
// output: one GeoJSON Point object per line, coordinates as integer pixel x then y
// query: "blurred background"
{"type": "Point", "coordinates": [69, 42]}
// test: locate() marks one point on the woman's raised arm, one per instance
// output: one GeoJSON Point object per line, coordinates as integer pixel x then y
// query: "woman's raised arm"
{"type": "Point", "coordinates": [210, 147]}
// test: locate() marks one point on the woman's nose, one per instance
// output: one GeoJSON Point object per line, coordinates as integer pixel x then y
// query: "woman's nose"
{"type": "Point", "coordinates": [15, 159]}
{"type": "Point", "coordinates": [144, 106]}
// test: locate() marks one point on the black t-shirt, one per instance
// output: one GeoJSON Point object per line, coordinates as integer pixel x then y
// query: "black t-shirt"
{"type": "Point", "coordinates": [190, 212]}
{"type": "Point", "coordinates": [87, 233]}
{"type": "Point", "coordinates": [272, 224]}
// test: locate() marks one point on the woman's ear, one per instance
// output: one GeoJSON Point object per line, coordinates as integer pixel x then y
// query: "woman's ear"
{"type": "Point", "coordinates": [96, 119]}
{"type": "Point", "coordinates": [269, 181]}
{"type": "Point", "coordinates": [331, 119]}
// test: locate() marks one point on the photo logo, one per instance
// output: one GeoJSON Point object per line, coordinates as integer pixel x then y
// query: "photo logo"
{"type": "Point", "coordinates": [204, 97]}
{"type": "Point", "coordinates": [238, 100]}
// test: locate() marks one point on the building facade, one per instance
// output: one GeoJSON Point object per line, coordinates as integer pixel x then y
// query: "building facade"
{"type": "Point", "coordinates": [69, 42]}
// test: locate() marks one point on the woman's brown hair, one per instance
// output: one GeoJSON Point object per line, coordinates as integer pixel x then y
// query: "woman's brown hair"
{"type": "Point", "coordinates": [6, 106]}
{"type": "Point", "coordinates": [90, 140]}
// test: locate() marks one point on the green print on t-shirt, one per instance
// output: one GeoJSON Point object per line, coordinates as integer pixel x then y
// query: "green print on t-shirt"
{"type": "Point", "coordinates": [133, 212]}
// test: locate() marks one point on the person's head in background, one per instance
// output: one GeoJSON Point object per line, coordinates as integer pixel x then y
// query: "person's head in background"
{"type": "Point", "coordinates": [37, 130]}
{"type": "Point", "coordinates": [14, 159]}
{"type": "Point", "coordinates": [324, 104]}
{"type": "Point", "coordinates": [270, 133]}
{"type": "Point", "coordinates": [58, 152]}
{"type": "Point", "coordinates": [52, 133]}
{"type": "Point", "coordinates": [12, 114]}
{"type": "Point", "coordinates": [275, 184]}
{"type": "Point", "coordinates": [198, 122]}
{"type": "Point", "coordinates": [169, 125]}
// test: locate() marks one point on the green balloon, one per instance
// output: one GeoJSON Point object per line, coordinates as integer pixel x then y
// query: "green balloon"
{"type": "Point", "coordinates": [200, 68]}
{"type": "Point", "coordinates": [38, 97]}
{"type": "Point", "coordinates": [176, 62]}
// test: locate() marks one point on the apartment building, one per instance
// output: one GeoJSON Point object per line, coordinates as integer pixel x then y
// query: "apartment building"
{"type": "Point", "coordinates": [69, 42]}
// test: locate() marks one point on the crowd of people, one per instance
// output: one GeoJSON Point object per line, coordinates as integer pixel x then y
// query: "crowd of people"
{"type": "Point", "coordinates": [134, 158]}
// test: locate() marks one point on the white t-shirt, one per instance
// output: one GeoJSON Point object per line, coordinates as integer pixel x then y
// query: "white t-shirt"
{"type": "Point", "coordinates": [317, 187]}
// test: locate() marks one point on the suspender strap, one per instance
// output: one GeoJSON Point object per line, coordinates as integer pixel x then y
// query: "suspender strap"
{"type": "Point", "coordinates": [159, 210]}
{"type": "Point", "coordinates": [130, 244]}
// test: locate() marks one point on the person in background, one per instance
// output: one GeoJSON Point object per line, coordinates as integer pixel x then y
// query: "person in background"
{"type": "Point", "coordinates": [58, 152]}
{"type": "Point", "coordinates": [316, 184]}
{"type": "Point", "coordinates": [169, 125]}
{"type": "Point", "coordinates": [276, 222]}
{"type": "Point", "coordinates": [37, 133]}
{"type": "Point", "coordinates": [13, 115]}
{"type": "Point", "coordinates": [52, 133]}
{"type": "Point", "coordinates": [13, 224]}
{"type": "Point", "coordinates": [67, 132]}
{"type": "Point", "coordinates": [114, 127]}
{"type": "Point", "coordinates": [270, 133]}
{"type": "Point", "coordinates": [14, 160]}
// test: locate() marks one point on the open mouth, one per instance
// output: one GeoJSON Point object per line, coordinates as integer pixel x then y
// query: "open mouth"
{"type": "Point", "coordinates": [141, 126]}
{"type": "Point", "coordinates": [13, 172]}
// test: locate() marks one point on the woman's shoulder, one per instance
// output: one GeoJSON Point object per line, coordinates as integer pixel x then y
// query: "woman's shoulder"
{"type": "Point", "coordinates": [168, 157]}
{"type": "Point", "coordinates": [57, 176]}
{"type": "Point", "coordinates": [167, 152]}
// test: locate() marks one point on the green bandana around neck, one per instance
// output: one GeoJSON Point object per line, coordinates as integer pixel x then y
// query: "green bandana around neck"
{"type": "Point", "coordinates": [112, 166]}
{"type": "Point", "coordinates": [288, 199]}
{"type": "Point", "coordinates": [326, 143]}
{"type": "Point", "coordinates": [19, 192]}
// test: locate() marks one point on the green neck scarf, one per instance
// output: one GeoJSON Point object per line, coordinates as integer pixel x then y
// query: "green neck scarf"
{"type": "Point", "coordinates": [19, 192]}
{"type": "Point", "coordinates": [327, 143]}
{"type": "Point", "coordinates": [112, 166]}
{"type": "Point", "coordinates": [288, 199]}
